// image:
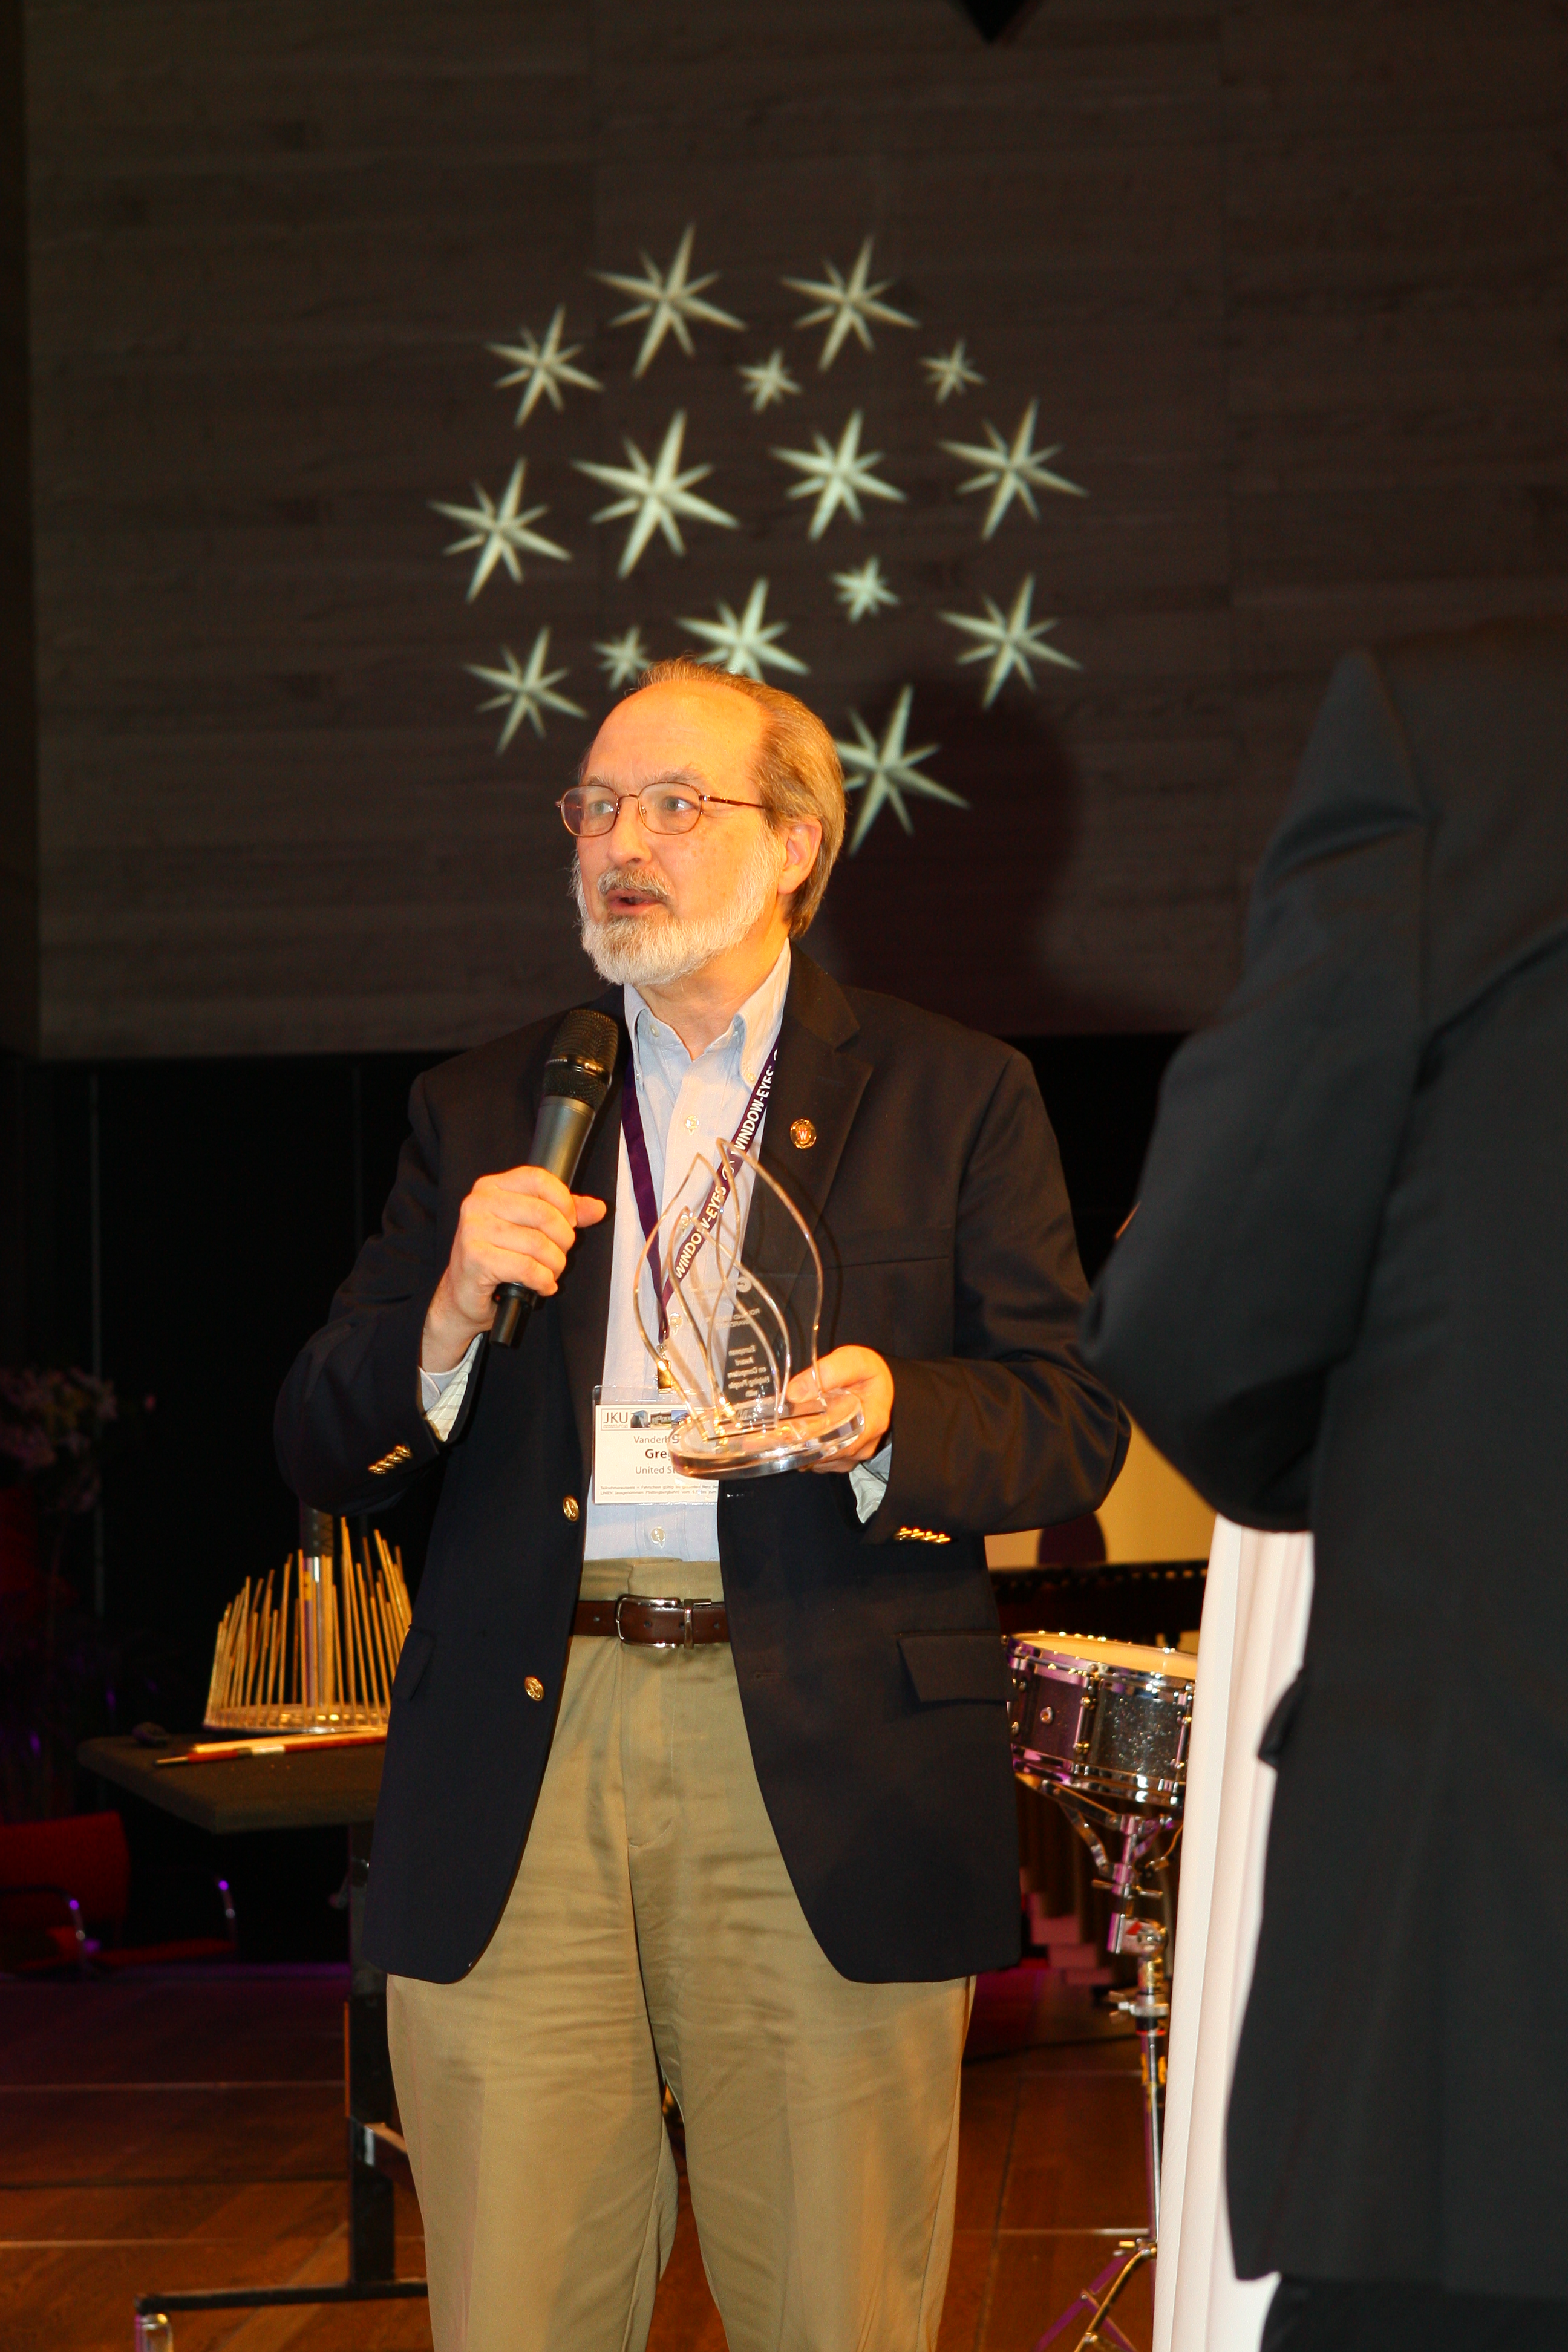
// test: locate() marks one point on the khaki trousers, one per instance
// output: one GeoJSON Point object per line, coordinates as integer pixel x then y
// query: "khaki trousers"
{"type": "Point", "coordinates": [652, 1929]}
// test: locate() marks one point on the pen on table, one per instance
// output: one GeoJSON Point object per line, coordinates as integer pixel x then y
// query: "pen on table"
{"type": "Point", "coordinates": [284, 1743]}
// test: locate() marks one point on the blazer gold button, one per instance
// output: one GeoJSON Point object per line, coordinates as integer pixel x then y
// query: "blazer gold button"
{"type": "Point", "coordinates": [803, 1135]}
{"type": "Point", "coordinates": [569, 1507]}
{"type": "Point", "coordinates": [533, 1687]}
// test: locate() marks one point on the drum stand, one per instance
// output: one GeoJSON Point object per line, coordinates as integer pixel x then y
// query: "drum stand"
{"type": "Point", "coordinates": [1142, 1843]}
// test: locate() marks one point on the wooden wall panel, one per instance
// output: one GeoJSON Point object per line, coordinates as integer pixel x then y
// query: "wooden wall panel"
{"type": "Point", "coordinates": [19, 740]}
{"type": "Point", "coordinates": [1397, 321]}
{"type": "Point", "coordinates": [1288, 284]}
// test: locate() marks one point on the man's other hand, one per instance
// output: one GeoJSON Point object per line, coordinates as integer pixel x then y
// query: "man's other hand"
{"type": "Point", "coordinates": [516, 1227]}
{"type": "Point", "coordinates": [867, 1374]}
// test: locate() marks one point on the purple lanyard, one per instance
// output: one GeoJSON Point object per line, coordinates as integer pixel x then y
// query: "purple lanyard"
{"type": "Point", "coordinates": [642, 1180]}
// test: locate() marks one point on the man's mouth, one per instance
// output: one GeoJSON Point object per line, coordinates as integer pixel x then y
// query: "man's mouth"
{"type": "Point", "coordinates": [629, 896]}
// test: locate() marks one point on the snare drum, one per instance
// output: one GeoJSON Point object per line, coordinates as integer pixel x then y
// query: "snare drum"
{"type": "Point", "coordinates": [1108, 1719]}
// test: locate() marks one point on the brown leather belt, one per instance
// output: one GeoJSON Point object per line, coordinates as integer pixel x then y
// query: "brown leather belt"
{"type": "Point", "coordinates": [655, 1623]}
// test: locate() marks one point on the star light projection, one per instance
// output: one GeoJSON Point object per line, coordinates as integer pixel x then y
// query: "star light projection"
{"type": "Point", "coordinates": [950, 371]}
{"type": "Point", "coordinates": [743, 646]}
{"type": "Point", "coordinates": [1008, 645]}
{"type": "Point", "coordinates": [525, 693]}
{"type": "Point", "coordinates": [769, 384]}
{"type": "Point", "coordinates": [655, 495]}
{"type": "Point", "coordinates": [667, 302]}
{"type": "Point", "coordinates": [658, 497]}
{"type": "Point", "coordinates": [623, 659]}
{"type": "Point", "coordinates": [846, 306]}
{"type": "Point", "coordinates": [838, 478]}
{"type": "Point", "coordinates": [862, 591]}
{"type": "Point", "coordinates": [542, 368]}
{"type": "Point", "coordinates": [885, 771]}
{"type": "Point", "coordinates": [1011, 473]}
{"type": "Point", "coordinates": [500, 533]}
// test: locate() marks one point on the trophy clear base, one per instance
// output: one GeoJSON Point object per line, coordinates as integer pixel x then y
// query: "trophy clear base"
{"type": "Point", "coordinates": [758, 1445]}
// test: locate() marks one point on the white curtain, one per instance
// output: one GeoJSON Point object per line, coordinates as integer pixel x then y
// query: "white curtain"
{"type": "Point", "coordinates": [1254, 1632]}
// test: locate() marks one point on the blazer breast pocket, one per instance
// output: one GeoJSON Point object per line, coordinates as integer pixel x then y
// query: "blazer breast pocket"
{"type": "Point", "coordinates": [888, 1246]}
{"type": "Point", "coordinates": [950, 1669]}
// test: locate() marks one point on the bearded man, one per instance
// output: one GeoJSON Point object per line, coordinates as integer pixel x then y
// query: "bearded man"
{"type": "Point", "coordinates": [762, 1866]}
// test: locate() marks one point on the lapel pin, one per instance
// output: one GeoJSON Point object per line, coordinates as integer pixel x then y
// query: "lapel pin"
{"type": "Point", "coordinates": [803, 1135]}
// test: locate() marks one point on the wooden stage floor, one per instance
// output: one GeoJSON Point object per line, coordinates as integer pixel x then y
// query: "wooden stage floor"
{"type": "Point", "coordinates": [187, 2130]}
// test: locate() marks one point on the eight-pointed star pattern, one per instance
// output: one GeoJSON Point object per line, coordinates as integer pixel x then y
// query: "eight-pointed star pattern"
{"type": "Point", "coordinates": [542, 368]}
{"type": "Point", "coordinates": [847, 305]}
{"type": "Point", "coordinates": [768, 383]}
{"type": "Point", "coordinates": [887, 771]}
{"type": "Point", "coordinates": [501, 533]}
{"type": "Point", "coordinates": [525, 693]}
{"type": "Point", "coordinates": [657, 496]}
{"type": "Point", "coordinates": [1008, 645]}
{"type": "Point", "coordinates": [743, 646]}
{"type": "Point", "coordinates": [667, 302]}
{"type": "Point", "coordinates": [623, 659]}
{"type": "Point", "coordinates": [950, 371]}
{"type": "Point", "coordinates": [838, 478]}
{"type": "Point", "coordinates": [1011, 473]}
{"type": "Point", "coordinates": [863, 591]}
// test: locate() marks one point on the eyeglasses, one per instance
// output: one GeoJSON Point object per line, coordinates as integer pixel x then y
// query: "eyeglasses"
{"type": "Point", "coordinates": [589, 809]}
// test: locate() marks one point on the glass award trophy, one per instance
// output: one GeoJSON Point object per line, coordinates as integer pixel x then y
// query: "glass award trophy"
{"type": "Point", "coordinates": [720, 1336]}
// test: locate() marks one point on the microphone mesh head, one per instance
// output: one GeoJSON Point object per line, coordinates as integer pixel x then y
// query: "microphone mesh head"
{"type": "Point", "coordinates": [583, 1057]}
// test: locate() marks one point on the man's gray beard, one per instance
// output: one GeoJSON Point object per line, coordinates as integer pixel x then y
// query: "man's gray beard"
{"type": "Point", "coordinates": [629, 948]}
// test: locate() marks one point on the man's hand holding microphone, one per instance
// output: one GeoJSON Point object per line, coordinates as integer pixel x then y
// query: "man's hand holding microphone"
{"type": "Point", "coordinates": [516, 1230]}
{"type": "Point", "coordinates": [517, 1227]}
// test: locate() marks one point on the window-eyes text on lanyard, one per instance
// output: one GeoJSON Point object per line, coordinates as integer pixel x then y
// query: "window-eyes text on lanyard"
{"type": "Point", "coordinates": [707, 1216]}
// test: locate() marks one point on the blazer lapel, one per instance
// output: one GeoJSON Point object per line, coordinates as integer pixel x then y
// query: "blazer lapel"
{"type": "Point", "coordinates": [814, 1079]}
{"type": "Point", "coordinates": [583, 1301]}
{"type": "Point", "coordinates": [818, 1081]}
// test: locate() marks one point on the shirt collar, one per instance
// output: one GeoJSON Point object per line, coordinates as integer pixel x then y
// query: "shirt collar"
{"type": "Point", "coordinates": [750, 1036]}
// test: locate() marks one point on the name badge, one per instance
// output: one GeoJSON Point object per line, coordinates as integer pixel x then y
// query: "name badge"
{"type": "Point", "coordinates": [631, 1451]}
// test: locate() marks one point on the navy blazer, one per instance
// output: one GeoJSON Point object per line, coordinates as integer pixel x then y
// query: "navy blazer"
{"type": "Point", "coordinates": [1344, 1304]}
{"type": "Point", "coordinates": [868, 1655]}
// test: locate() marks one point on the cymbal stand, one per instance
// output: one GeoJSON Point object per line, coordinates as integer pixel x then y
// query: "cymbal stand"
{"type": "Point", "coordinates": [1143, 1843]}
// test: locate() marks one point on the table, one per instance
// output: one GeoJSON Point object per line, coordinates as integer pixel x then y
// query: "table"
{"type": "Point", "coordinates": [334, 1789]}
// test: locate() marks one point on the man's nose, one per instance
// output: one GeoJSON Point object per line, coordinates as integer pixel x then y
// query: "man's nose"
{"type": "Point", "coordinates": [628, 837]}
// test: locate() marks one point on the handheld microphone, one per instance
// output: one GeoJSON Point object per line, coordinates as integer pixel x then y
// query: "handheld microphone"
{"type": "Point", "coordinates": [576, 1080]}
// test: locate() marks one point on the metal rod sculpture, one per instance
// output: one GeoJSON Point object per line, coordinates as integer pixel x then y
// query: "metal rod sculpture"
{"type": "Point", "coordinates": [317, 1656]}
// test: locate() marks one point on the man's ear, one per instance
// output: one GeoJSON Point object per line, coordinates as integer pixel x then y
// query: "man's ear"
{"type": "Point", "coordinates": [802, 839]}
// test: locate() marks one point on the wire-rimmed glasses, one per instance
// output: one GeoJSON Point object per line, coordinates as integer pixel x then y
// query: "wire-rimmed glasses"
{"type": "Point", "coordinates": [590, 809]}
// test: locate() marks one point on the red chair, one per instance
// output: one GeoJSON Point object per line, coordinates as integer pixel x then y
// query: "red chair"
{"type": "Point", "coordinates": [64, 1891]}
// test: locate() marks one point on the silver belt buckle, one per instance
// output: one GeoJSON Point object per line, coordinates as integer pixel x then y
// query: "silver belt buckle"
{"type": "Point", "coordinates": [681, 1641]}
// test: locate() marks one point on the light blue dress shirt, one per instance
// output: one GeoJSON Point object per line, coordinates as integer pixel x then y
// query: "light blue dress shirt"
{"type": "Point", "coordinates": [686, 1101]}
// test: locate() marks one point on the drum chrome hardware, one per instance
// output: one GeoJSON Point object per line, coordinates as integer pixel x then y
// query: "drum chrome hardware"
{"type": "Point", "coordinates": [1103, 1727]}
{"type": "Point", "coordinates": [1106, 1720]}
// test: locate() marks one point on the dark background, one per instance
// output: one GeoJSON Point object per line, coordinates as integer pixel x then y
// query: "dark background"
{"type": "Point", "coordinates": [232, 1195]}
{"type": "Point", "coordinates": [1289, 283]}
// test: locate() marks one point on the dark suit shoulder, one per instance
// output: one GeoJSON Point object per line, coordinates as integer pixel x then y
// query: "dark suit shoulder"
{"type": "Point", "coordinates": [1484, 717]}
{"type": "Point", "coordinates": [501, 1062]}
{"type": "Point", "coordinates": [891, 1025]}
